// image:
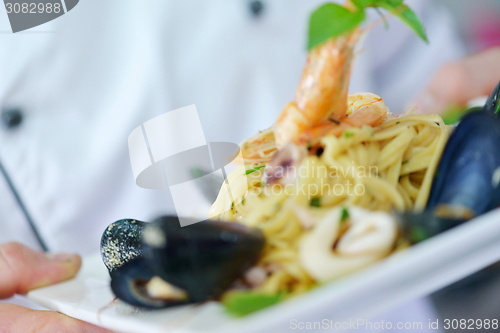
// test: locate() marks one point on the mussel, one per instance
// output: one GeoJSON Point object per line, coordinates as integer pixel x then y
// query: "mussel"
{"type": "Point", "coordinates": [181, 265]}
{"type": "Point", "coordinates": [120, 243]}
{"type": "Point", "coordinates": [492, 104]}
{"type": "Point", "coordinates": [468, 174]}
{"type": "Point", "coordinates": [466, 182]}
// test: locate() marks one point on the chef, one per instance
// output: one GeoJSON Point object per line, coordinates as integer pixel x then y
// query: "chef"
{"type": "Point", "coordinates": [73, 89]}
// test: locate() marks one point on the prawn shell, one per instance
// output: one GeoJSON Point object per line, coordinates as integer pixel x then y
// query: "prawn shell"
{"type": "Point", "coordinates": [204, 258]}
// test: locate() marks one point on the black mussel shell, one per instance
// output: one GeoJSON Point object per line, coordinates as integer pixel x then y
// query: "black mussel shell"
{"type": "Point", "coordinates": [129, 281]}
{"type": "Point", "coordinates": [468, 173]}
{"type": "Point", "coordinates": [492, 104]}
{"type": "Point", "coordinates": [204, 258]}
{"type": "Point", "coordinates": [417, 227]}
{"type": "Point", "coordinates": [120, 243]}
{"type": "Point", "coordinates": [466, 183]}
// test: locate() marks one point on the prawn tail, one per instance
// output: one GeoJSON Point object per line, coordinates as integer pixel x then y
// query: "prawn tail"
{"type": "Point", "coordinates": [290, 124]}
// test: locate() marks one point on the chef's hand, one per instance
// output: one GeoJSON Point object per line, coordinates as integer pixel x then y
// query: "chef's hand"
{"type": "Point", "coordinates": [460, 81]}
{"type": "Point", "coordinates": [21, 270]}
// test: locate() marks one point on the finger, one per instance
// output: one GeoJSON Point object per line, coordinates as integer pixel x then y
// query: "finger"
{"type": "Point", "coordinates": [458, 82]}
{"type": "Point", "coordinates": [15, 318]}
{"type": "Point", "coordinates": [23, 269]}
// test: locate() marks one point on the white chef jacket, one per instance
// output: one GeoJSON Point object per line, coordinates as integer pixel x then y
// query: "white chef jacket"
{"type": "Point", "coordinates": [84, 81]}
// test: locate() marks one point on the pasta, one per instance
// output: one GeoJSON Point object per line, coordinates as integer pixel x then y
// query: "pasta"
{"type": "Point", "coordinates": [386, 167]}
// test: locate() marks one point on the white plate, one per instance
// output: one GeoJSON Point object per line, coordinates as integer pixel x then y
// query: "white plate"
{"type": "Point", "coordinates": [416, 272]}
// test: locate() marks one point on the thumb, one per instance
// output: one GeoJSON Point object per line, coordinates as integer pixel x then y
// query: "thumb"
{"type": "Point", "coordinates": [23, 269]}
{"type": "Point", "coordinates": [458, 82]}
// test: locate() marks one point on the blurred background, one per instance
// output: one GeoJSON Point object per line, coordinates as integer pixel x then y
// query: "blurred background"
{"type": "Point", "coordinates": [478, 22]}
{"type": "Point", "coordinates": [477, 296]}
{"type": "Point", "coordinates": [78, 86]}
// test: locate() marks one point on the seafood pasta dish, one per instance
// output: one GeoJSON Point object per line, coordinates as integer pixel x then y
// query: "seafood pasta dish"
{"type": "Point", "coordinates": [336, 184]}
{"type": "Point", "coordinates": [330, 153]}
{"type": "Point", "coordinates": [305, 186]}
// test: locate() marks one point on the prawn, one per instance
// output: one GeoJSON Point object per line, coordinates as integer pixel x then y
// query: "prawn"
{"type": "Point", "coordinates": [363, 109]}
{"type": "Point", "coordinates": [321, 104]}
{"type": "Point", "coordinates": [322, 90]}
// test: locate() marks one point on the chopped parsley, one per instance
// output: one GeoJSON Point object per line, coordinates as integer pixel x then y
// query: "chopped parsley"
{"type": "Point", "coordinates": [418, 234]}
{"type": "Point", "coordinates": [241, 303]}
{"type": "Point", "coordinates": [249, 171]}
{"type": "Point", "coordinates": [345, 215]}
{"type": "Point", "coordinates": [437, 124]}
{"type": "Point", "coordinates": [315, 202]}
{"type": "Point", "coordinates": [197, 172]}
{"type": "Point", "coordinates": [333, 121]}
{"type": "Point", "coordinates": [348, 134]}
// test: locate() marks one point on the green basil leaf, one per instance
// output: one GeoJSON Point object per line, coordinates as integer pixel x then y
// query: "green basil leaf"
{"type": "Point", "coordinates": [392, 3]}
{"type": "Point", "coordinates": [331, 20]}
{"type": "Point", "coordinates": [242, 303]}
{"type": "Point", "coordinates": [376, 3]}
{"type": "Point", "coordinates": [408, 16]}
{"type": "Point", "coordinates": [361, 4]}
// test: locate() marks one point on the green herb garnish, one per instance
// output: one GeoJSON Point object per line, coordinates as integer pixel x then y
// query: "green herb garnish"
{"type": "Point", "coordinates": [331, 20]}
{"type": "Point", "coordinates": [242, 303]}
{"type": "Point", "coordinates": [333, 121]}
{"type": "Point", "coordinates": [249, 171]}
{"type": "Point", "coordinates": [315, 202]}
{"type": "Point", "coordinates": [454, 114]}
{"type": "Point", "coordinates": [345, 215]}
{"type": "Point", "coordinates": [348, 134]}
{"type": "Point", "coordinates": [418, 234]}
{"type": "Point", "coordinates": [196, 172]}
